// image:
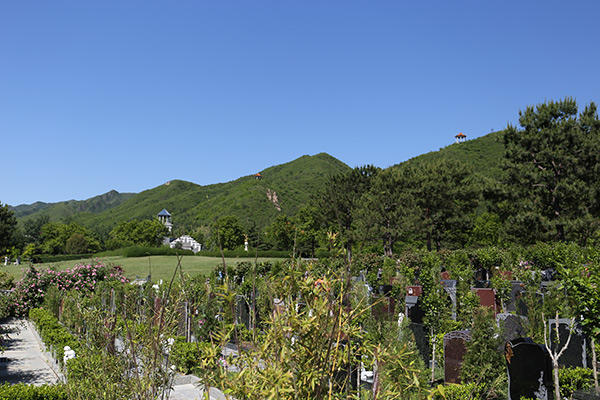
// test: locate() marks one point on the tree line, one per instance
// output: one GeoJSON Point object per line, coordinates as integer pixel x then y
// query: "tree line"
{"type": "Point", "coordinates": [548, 192]}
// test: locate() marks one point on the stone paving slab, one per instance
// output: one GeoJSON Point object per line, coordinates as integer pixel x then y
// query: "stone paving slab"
{"type": "Point", "coordinates": [24, 359]}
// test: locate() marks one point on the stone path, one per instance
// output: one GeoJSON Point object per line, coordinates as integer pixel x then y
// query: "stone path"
{"type": "Point", "coordinates": [23, 359]}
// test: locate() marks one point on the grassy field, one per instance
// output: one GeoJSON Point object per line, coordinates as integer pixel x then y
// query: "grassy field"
{"type": "Point", "coordinates": [137, 267]}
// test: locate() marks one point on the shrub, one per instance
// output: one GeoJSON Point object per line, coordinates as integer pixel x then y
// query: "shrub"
{"type": "Point", "coordinates": [52, 332]}
{"type": "Point", "coordinates": [240, 253]}
{"type": "Point", "coordinates": [30, 392]}
{"type": "Point", "coordinates": [572, 379]}
{"type": "Point", "coordinates": [188, 356]}
{"type": "Point", "coordinates": [30, 291]}
{"type": "Point", "coordinates": [457, 392]}
{"type": "Point", "coordinates": [143, 251]}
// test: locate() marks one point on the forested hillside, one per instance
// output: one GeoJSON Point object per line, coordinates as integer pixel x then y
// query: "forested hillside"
{"type": "Point", "coordinates": [280, 189]}
{"type": "Point", "coordinates": [66, 209]}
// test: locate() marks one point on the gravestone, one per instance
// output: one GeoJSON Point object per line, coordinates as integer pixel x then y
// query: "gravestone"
{"type": "Point", "coordinates": [455, 347]}
{"type": "Point", "coordinates": [516, 304]}
{"type": "Point", "coordinates": [450, 288]}
{"type": "Point", "coordinates": [242, 313]}
{"type": "Point", "coordinates": [414, 290]}
{"type": "Point", "coordinates": [529, 370]}
{"type": "Point", "coordinates": [513, 326]}
{"type": "Point", "coordinates": [576, 354]}
{"type": "Point", "coordinates": [384, 307]}
{"type": "Point", "coordinates": [413, 309]}
{"type": "Point", "coordinates": [487, 297]}
{"type": "Point", "coordinates": [421, 341]}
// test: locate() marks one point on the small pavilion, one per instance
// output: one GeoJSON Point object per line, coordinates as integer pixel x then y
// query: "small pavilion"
{"type": "Point", "coordinates": [165, 218]}
{"type": "Point", "coordinates": [461, 137]}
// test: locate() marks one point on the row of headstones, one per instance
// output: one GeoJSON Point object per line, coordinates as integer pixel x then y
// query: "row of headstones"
{"type": "Point", "coordinates": [528, 364]}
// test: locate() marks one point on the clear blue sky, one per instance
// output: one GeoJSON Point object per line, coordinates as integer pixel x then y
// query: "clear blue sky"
{"type": "Point", "coordinates": [125, 95]}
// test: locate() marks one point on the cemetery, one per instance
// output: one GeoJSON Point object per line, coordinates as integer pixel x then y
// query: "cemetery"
{"type": "Point", "coordinates": [418, 325]}
{"type": "Point", "coordinates": [419, 281]}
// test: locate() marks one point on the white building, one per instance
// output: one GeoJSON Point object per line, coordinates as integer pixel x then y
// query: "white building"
{"type": "Point", "coordinates": [186, 243]}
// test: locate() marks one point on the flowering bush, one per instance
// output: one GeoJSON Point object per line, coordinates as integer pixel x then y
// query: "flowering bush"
{"type": "Point", "coordinates": [29, 292]}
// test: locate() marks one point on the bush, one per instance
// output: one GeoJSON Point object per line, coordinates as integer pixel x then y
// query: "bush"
{"type": "Point", "coordinates": [95, 375]}
{"type": "Point", "coordinates": [572, 379]}
{"type": "Point", "coordinates": [240, 253]}
{"type": "Point", "coordinates": [49, 258]}
{"type": "Point", "coordinates": [143, 251]}
{"type": "Point", "coordinates": [30, 392]}
{"type": "Point", "coordinates": [457, 392]}
{"type": "Point", "coordinates": [30, 290]}
{"type": "Point", "coordinates": [52, 332]}
{"type": "Point", "coordinates": [188, 356]}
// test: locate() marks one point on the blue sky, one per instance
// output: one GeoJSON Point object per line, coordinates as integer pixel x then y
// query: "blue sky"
{"type": "Point", "coordinates": [125, 95]}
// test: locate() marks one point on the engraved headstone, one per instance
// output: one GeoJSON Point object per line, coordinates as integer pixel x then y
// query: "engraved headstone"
{"type": "Point", "coordinates": [529, 370]}
{"type": "Point", "coordinates": [516, 303]}
{"type": "Point", "coordinates": [455, 347]}
{"type": "Point", "coordinates": [413, 309]}
{"type": "Point", "coordinates": [241, 310]}
{"type": "Point", "coordinates": [421, 341]}
{"type": "Point", "coordinates": [450, 288]}
{"type": "Point", "coordinates": [513, 326]}
{"type": "Point", "coordinates": [575, 355]}
{"type": "Point", "coordinates": [487, 297]}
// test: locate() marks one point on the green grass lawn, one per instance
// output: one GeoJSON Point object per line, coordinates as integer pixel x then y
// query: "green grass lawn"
{"type": "Point", "coordinates": [137, 267]}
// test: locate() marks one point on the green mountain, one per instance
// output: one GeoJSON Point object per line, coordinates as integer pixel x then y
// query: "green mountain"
{"type": "Point", "coordinates": [484, 154]}
{"type": "Point", "coordinates": [279, 189]}
{"type": "Point", "coordinates": [70, 208]}
{"type": "Point", "coordinates": [254, 200]}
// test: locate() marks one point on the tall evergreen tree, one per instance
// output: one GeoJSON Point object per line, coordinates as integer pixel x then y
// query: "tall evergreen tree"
{"type": "Point", "coordinates": [551, 166]}
{"type": "Point", "coordinates": [8, 227]}
{"type": "Point", "coordinates": [446, 194]}
{"type": "Point", "coordinates": [388, 210]}
{"type": "Point", "coordinates": [339, 201]}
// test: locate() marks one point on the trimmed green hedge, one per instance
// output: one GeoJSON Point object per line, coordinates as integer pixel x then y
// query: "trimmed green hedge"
{"type": "Point", "coordinates": [240, 253]}
{"type": "Point", "coordinates": [142, 251]}
{"type": "Point", "coordinates": [30, 392]}
{"type": "Point", "coordinates": [48, 258]}
{"type": "Point", "coordinates": [52, 332]}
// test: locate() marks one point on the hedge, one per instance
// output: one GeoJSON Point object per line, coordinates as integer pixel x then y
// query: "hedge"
{"type": "Point", "coordinates": [52, 332]}
{"type": "Point", "coordinates": [241, 253]}
{"type": "Point", "coordinates": [48, 258]}
{"type": "Point", "coordinates": [30, 392]}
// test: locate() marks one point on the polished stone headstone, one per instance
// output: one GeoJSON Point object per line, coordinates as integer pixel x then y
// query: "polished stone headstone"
{"type": "Point", "coordinates": [576, 354]}
{"type": "Point", "coordinates": [529, 370]}
{"type": "Point", "coordinates": [455, 347]}
{"type": "Point", "coordinates": [487, 297]}
{"type": "Point", "coordinates": [421, 340]}
{"type": "Point", "coordinates": [513, 326]}
{"type": "Point", "coordinates": [516, 304]}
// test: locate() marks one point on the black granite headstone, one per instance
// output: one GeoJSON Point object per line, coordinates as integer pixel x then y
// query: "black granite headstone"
{"type": "Point", "coordinates": [529, 370]}
{"type": "Point", "coordinates": [516, 303]}
{"type": "Point", "coordinates": [418, 331]}
{"type": "Point", "coordinates": [575, 355]}
{"type": "Point", "coordinates": [413, 309]}
{"type": "Point", "coordinates": [242, 312]}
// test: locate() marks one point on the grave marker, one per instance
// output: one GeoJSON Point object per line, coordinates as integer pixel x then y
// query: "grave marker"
{"type": "Point", "coordinates": [529, 370]}
{"type": "Point", "coordinates": [512, 325]}
{"type": "Point", "coordinates": [455, 347]}
{"type": "Point", "coordinates": [576, 354]}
